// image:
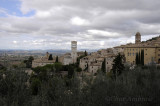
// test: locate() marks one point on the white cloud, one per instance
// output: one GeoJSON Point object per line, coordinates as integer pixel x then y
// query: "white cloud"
{"type": "Point", "coordinates": [79, 21]}
{"type": "Point", "coordinates": [15, 42]}
{"type": "Point", "coordinates": [103, 33]}
{"type": "Point", "coordinates": [93, 23]}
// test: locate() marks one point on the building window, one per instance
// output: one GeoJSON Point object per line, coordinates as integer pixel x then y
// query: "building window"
{"type": "Point", "coordinates": [128, 54]}
{"type": "Point", "coordinates": [133, 54]}
{"type": "Point", "coordinates": [130, 49]}
{"type": "Point", "coordinates": [158, 54]}
{"type": "Point", "coordinates": [133, 49]}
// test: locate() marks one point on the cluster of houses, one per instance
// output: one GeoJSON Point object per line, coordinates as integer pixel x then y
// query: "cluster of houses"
{"type": "Point", "coordinates": [93, 61]}
{"type": "Point", "coordinates": [90, 63]}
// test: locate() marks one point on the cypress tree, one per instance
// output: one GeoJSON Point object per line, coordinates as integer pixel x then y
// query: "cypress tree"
{"type": "Point", "coordinates": [142, 57]}
{"type": "Point", "coordinates": [103, 68]}
{"type": "Point", "coordinates": [57, 59]}
{"type": "Point", "coordinates": [50, 57]}
{"type": "Point", "coordinates": [85, 53]}
{"type": "Point", "coordinates": [118, 65]}
{"type": "Point", "coordinates": [139, 58]}
{"type": "Point", "coordinates": [136, 58]}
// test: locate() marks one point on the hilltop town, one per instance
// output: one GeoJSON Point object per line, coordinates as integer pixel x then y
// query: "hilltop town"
{"type": "Point", "coordinates": [93, 61]}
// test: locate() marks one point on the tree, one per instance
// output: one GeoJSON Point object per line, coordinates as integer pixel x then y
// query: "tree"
{"type": "Point", "coordinates": [79, 69]}
{"type": "Point", "coordinates": [103, 68]}
{"type": "Point", "coordinates": [35, 85]}
{"type": "Point", "coordinates": [142, 57]}
{"type": "Point", "coordinates": [30, 59]}
{"type": "Point", "coordinates": [50, 57]}
{"type": "Point", "coordinates": [29, 62]}
{"type": "Point", "coordinates": [58, 66]}
{"type": "Point", "coordinates": [57, 59]}
{"type": "Point", "coordinates": [137, 59]}
{"type": "Point", "coordinates": [85, 53]}
{"type": "Point", "coordinates": [70, 71]}
{"type": "Point", "coordinates": [117, 66]}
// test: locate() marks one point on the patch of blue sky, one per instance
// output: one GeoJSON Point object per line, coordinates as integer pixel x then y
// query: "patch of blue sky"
{"type": "Point", "coordinates": [12, 7]}
{"type": "Point", "coordinates": [2, 15]}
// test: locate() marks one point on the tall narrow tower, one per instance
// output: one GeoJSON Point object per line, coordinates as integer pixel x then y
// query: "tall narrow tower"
{"type": "Point", "coordinates": [74, 51]}
{"type": "Point", "coordinates": [138, 38]}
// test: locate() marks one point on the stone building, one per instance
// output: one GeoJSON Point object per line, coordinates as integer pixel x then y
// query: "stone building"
{"type": "Point", "coordinates": [151, 49]}
{"type": "Point", "coordinates": [94, 61]}
{"type": "Point", "coordinates": [42, 61]}
{"type": "Point", "coordinates": [94, 67]}
{"type": "Point", "coordinates": [70, 58]}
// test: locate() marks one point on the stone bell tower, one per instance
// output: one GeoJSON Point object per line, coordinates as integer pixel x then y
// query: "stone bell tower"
{"type": "Point", "coordinates": [137, 38]}
{"type": "Point", "coordinates": [74, 51]}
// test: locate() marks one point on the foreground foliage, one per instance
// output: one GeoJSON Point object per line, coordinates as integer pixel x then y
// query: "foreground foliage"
{"type": "Point", "coordinates": [138, 87]}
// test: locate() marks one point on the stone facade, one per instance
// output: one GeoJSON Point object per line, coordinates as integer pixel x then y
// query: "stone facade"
{"type": "Point", "coordinates": [94, 67]}
{"type": "Point", "coordinates": [151, 49]}
{"type": "Point", "coordinates": [93, 62]}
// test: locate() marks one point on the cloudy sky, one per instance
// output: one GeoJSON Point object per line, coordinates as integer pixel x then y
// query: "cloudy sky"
{"type": "Point", "coordinates": [95, 24]}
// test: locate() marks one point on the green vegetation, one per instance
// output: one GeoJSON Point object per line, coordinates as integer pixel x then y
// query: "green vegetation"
{"type": "Point", "coordinates": [46, 86]}
{"type": "Point", "coordinates": [140, 58]}
{"type": "Point", "coordinates": [50, 57]}
{"type": "Point", "coordinates": [104, 66]}
{"type": "Point", "coordinates": [29, 62]}
{"type": "Point", "coordinates": [117, 66]}
{"type": "Point", "coordinates": [139, 87]}
{"type": "Point", "coordinates": [56, 59]}
{"type": "Point", "coordinates": [85, 53]}
{"type": "Point", "coordinates": [2, 68]}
